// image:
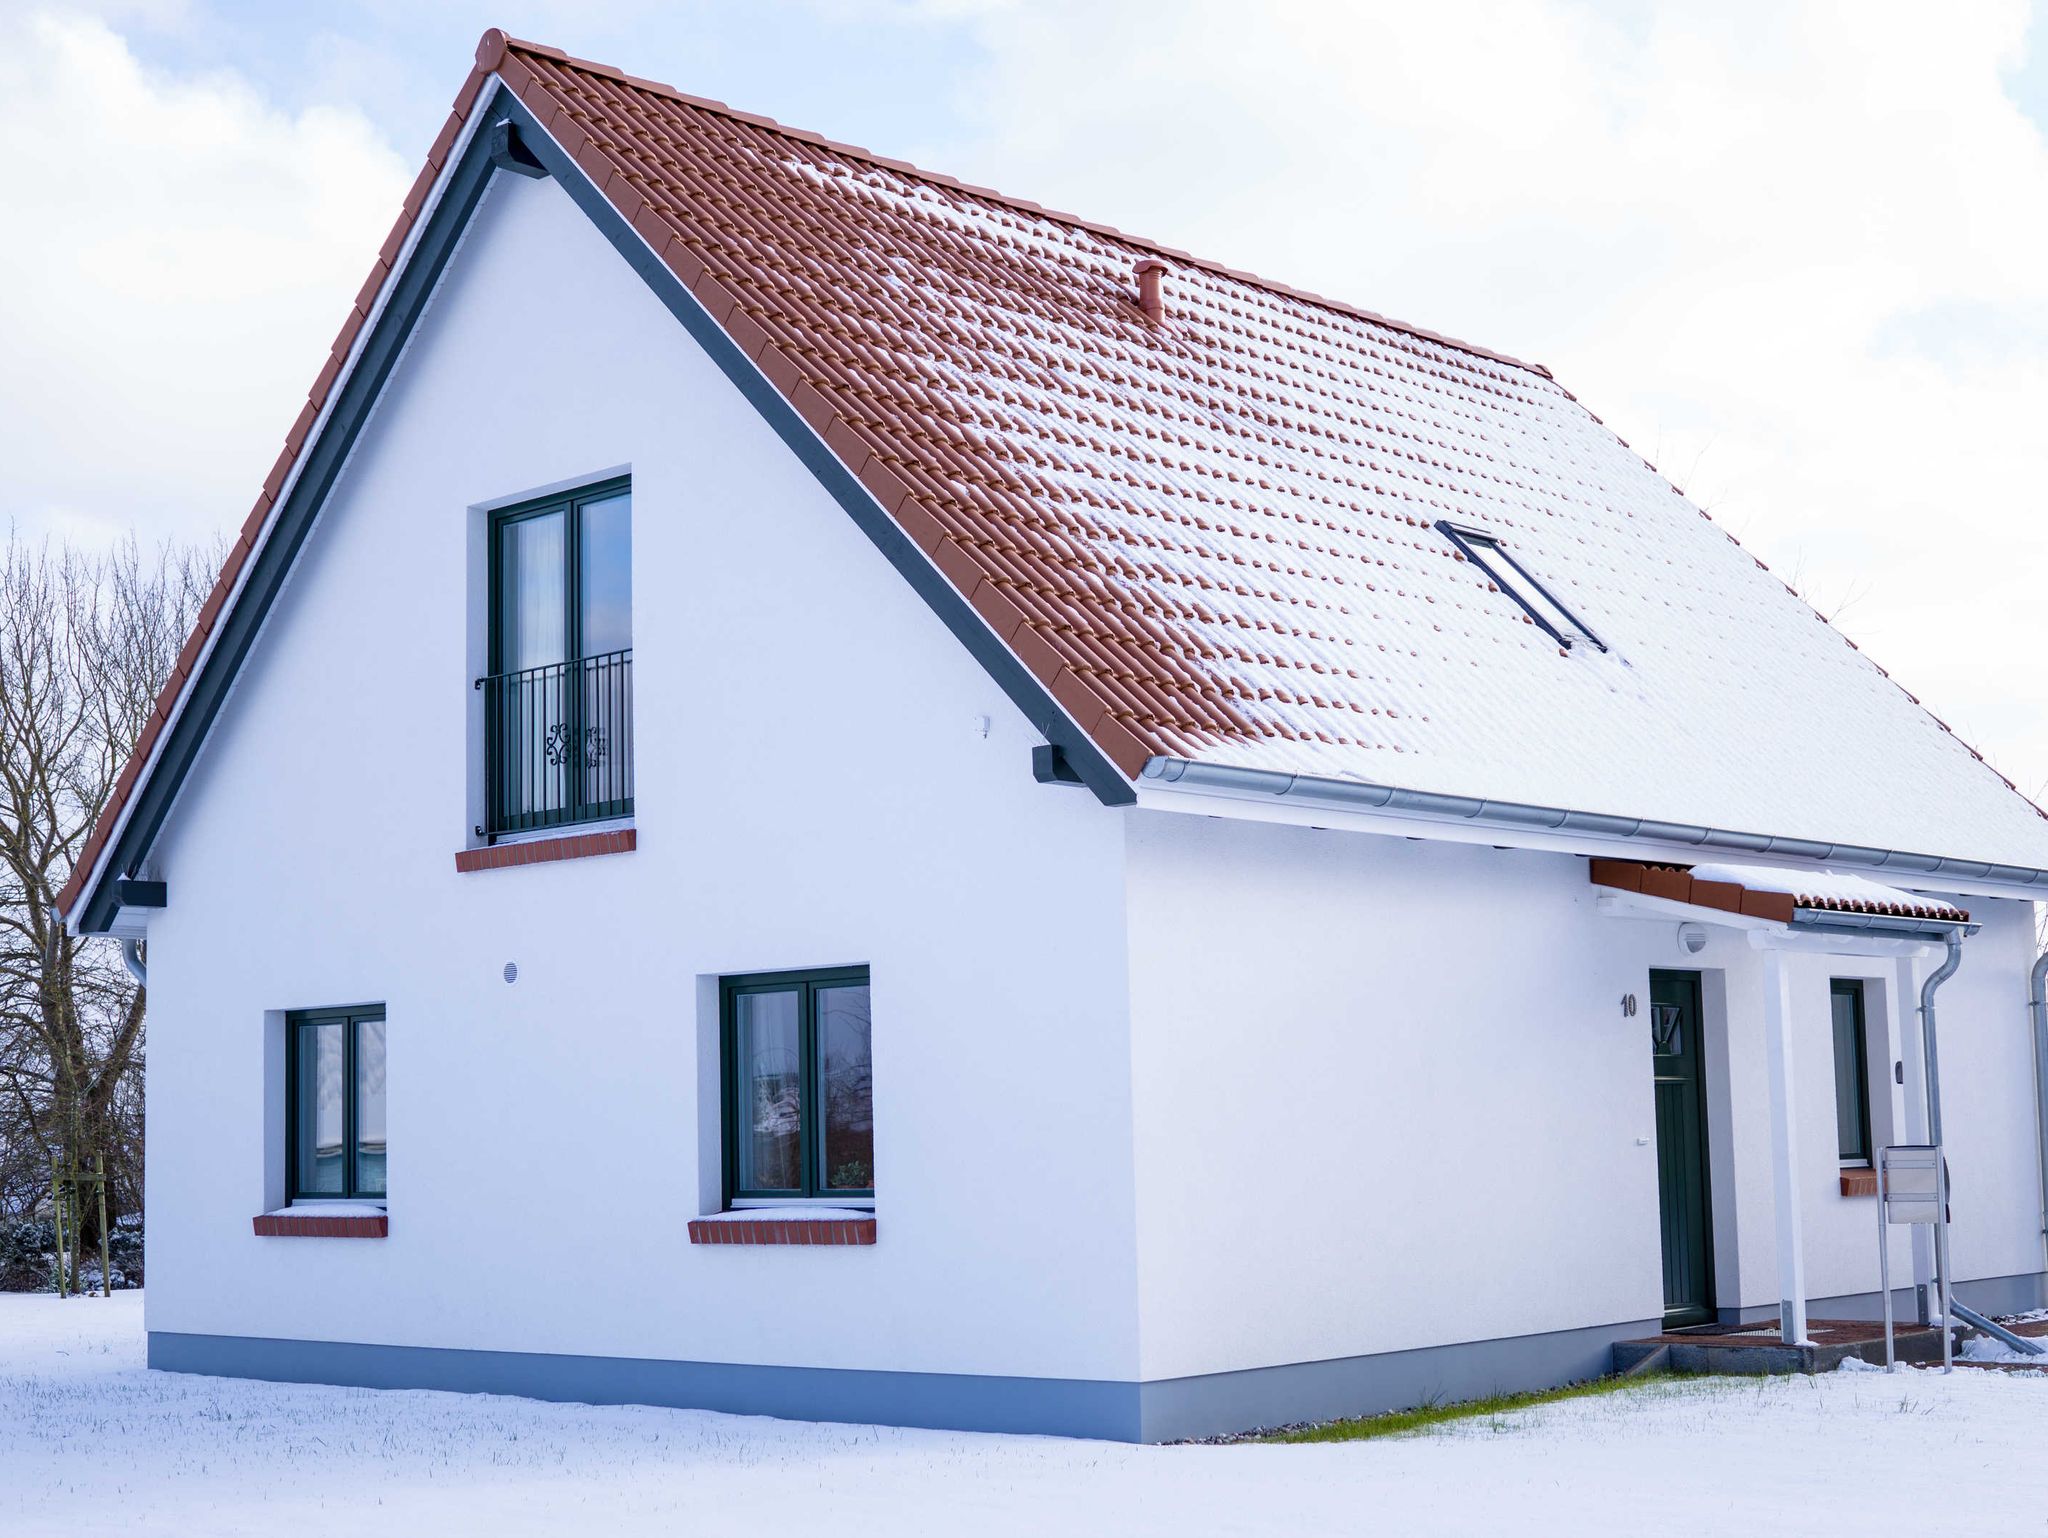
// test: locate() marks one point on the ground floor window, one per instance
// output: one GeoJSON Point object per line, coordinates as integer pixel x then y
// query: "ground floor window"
{"type": "Point", "coordinates": [1852, 1071]}
{"type": "Point", "coordinates": [798, 1085]}
{"type": "Point", "coordinates": [334, 1070]}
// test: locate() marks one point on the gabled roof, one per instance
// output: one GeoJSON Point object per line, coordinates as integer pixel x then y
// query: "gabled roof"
{"type": "Point", "coordinates": [1211, 535]}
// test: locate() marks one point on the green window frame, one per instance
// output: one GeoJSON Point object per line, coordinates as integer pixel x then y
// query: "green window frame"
{"type": "Point", "coordinates": [558, 732]}
{"type": "Point", "coordinates": [359, 1150]}
{"type": "Point", "coordinates": [1852, 1070]}
{"type": "Point", "coordinates": [796, 1086]}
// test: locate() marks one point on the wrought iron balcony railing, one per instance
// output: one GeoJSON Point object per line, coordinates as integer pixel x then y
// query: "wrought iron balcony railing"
{"type": "Point", "coordinates": [558, 744]}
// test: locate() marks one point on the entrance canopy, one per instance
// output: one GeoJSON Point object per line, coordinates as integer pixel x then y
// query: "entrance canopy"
{"type": "Point", "coordinates": [1786, 909]}
{"type": "Point", "coordinates": [1771, 896]}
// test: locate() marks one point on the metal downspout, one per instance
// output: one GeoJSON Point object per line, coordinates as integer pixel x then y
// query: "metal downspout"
{"type": "Point", "coordinates": [1930, 1055]}
{"type": "Point", "coordinates": [1928, 1047]}
{"type": "Point", "coordinates": [131, 956]}
{"type": "Point", "coordinates": [1935, 979]}
{"type": "Point", "coordinates": [2037, 1009]}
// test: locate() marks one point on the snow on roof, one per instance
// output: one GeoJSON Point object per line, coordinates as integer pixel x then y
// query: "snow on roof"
{"type": "Point", "coordinates": [1212, 535]}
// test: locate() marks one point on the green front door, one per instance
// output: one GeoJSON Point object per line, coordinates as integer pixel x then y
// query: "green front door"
{"type": "Point", "coordinates": [1682, 1147]}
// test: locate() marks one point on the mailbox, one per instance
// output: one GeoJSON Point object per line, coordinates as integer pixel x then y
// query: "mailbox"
{"type": "Point", "coordinates": [1912, 1187]}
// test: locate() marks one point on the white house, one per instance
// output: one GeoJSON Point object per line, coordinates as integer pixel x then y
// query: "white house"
{"type": "Point", "coordinates": [1209, 858]}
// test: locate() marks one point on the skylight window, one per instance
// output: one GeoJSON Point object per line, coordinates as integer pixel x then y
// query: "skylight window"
{"type": "Point", "coordinates": [1486, 551]}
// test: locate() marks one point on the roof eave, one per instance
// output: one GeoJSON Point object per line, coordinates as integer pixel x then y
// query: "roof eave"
{"type": "Point", "coordinates": [134, 818]}
{"type": "Point", "coordinates": [1517, 817]}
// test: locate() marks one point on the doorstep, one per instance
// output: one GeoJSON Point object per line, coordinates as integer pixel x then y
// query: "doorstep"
{"type": "Point", "coordinates": [1756, 1348]}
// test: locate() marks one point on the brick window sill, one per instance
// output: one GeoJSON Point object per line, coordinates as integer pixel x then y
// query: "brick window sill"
{"type": "Point", "coordinates": [542, 851]}
{"type": "Point", "coordinates": [1859, 1180]}
{"type": "Point", "coordinates": [781, 1228]}
{"type": "Point", "coordinates": [315, 1225]}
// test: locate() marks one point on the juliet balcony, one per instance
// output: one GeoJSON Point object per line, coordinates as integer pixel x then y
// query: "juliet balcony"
{"type": "Point", "coordinates": [558, 744]}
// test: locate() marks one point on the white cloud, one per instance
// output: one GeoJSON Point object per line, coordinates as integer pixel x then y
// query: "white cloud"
{"type": "Point", "coordinates": [178, 256]}
{"type": "Point", "coordinates": [1793, 252]}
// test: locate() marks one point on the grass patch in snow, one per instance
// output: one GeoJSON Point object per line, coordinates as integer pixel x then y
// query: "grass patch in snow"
{"type": "Point", "coordinates": [93, 1445]}
{"type": "Point", "coordinates": [1427, 1417]}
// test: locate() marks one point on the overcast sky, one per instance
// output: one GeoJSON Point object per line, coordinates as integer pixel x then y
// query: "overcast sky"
{"type": "Point", "coordinates": [1797, 254]}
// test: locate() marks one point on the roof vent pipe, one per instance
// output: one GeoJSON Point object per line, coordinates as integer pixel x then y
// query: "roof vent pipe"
{"type": "Point", "coordinates": [1150, 299]}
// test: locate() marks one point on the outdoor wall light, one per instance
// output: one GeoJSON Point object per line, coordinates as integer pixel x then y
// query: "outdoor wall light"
{"type": "Point", "coordinates": [1692, 938]}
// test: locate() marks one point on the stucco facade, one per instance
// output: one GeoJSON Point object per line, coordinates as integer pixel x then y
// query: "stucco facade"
{"type": "Point", "coordinates": [826, 778]}
{"type": "Point", "coordinates": [1386, 1098]}
{"type": "Point", "coordinates": [1171, 1104]}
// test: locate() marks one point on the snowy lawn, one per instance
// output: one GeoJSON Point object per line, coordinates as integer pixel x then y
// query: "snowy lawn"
{"type": "Point", "coordinates": [90, 1442]}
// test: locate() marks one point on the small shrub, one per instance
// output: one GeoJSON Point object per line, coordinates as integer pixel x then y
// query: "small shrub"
{"type": "Point", "coordinates": [89, 1278]}
{"type": "Point", "coordinates": [28, 1255]}
{"type": "Point", "coordinates": [26, 1246]}
{"type": "Point", "coordinates": [124, 1248]}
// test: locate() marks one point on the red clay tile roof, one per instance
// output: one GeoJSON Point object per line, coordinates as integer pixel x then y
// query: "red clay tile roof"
{"type": "Point", "coordinates": [1211, 536]}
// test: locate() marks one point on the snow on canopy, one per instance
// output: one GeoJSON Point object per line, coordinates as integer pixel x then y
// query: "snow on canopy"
{"type": "Point", "coordinates": [1839, 891]}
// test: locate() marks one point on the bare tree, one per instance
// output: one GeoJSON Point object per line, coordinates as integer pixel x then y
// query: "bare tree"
{"type": "Point", "coordinates": [86, 640]}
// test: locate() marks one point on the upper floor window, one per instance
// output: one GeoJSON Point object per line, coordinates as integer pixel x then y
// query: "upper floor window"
{"type": "Point", "coordinates": [798, 1087]}
{"type": "Point", "coordinates": [334, 1068]}
{"type": "Point", "coordinates": [1490, 555]}
{"type": "Point", "coordinates": [558, 701]}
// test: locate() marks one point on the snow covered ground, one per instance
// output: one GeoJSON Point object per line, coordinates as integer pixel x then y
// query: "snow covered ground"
{"type": "Point", "coordinates": [91, 1443]}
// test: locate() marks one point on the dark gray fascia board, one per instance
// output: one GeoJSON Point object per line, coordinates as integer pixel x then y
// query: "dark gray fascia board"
{"type": "Point", "coordinates": [141, 894]}
{"type": "Point", "coordinates": [320, 463]}
{"type": "Point", "coordinates": [1516, 816]}
{"type": "Point", "coordinates": [1049, 766]}
{"type": "Point", "coordinates": [324, 455]}
{"type": "Point", "coordinates": [509, 151]}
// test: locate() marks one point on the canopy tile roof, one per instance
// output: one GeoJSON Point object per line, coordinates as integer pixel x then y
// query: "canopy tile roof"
{"type": "Point", "coordinates": [1770, 891]}
{"type": "Point", "coordinates": [1210, 533]}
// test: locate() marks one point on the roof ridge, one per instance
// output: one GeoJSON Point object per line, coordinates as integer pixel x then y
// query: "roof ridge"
{"type": "Point", "coordinates": [495, 44]}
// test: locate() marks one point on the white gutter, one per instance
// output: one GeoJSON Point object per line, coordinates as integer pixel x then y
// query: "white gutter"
{"type": "Point", "coordinates": [1516, 817]}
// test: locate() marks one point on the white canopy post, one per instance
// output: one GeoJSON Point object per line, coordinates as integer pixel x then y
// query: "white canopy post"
{"type": "Point", "coordinates": [1913, 1056]}
{"type": "Point", "coordinates": [1784, 1151]}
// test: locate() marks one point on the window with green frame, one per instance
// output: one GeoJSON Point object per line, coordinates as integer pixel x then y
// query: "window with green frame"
{"type": "Point", "coordinates": [798, 1086]}
{"type": "Point", "coordinates": [334, 1104]}
{"type": "Point", "coordinates": [1852, 1071]}
{"type": "Point", "coordinates": [558, 699]}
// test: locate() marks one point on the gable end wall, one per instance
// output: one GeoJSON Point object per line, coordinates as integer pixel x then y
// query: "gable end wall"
{"type": "Point", "coordinates": [815, 787]}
